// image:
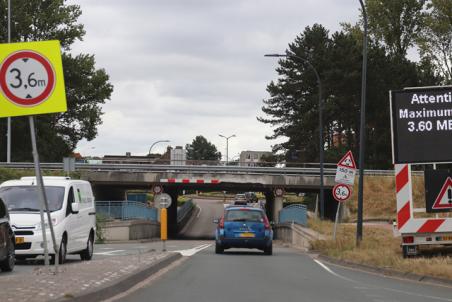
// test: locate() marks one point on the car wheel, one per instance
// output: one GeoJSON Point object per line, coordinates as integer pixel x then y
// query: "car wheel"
{"type": "Point", "coordinates": [61, 253]}
{"type": "Point", "coordinates": [87, 254]}
{"type": "Point", "coordinates": [268, 250]}
{"type": "Point", "coordinates": [218, 249]}
{"type": "Point", "coordinates": [7, 265]}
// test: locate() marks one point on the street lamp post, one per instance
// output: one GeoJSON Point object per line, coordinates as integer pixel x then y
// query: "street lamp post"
{"type": "Point", "coordinates": [362, 136]}
{"type": "Point", "coordinates": [227, 146]}
{"type": "Point", "coordinates": [321, 145]}
{"type": "Point", "coordinates": [155, 143]}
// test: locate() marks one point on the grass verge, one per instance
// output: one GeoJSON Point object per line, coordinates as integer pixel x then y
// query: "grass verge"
{"type": "Point", "coordinates": [378, 248]}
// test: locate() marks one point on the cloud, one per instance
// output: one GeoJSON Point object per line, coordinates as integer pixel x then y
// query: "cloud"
{"type": "Point", "coordinates": [183, 68]}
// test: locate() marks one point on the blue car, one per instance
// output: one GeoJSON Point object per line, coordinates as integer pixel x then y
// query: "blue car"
{"type": "Point", "coordinates": [244, 227]}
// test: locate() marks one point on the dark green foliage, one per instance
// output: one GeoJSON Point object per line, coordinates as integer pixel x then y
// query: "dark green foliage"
{"type": "Point", "coordinates": [201, 149]}
{"type": "Point", "coordinates": [292, 107]}
{"type": "Point", "coordinates": [87, 88]}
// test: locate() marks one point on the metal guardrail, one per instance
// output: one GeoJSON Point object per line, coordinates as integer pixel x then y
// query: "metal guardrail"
{"type": "Point", "coordinates": [296, 213]}
{"type": "Point", "coordinates": [126, 210]}
{"type": "Point", "coordinates": [192, 169]}
{"type": "Point", "coordinates": [184, 210]}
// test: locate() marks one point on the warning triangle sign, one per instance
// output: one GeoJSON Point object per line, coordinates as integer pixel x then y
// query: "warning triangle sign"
{"type": "Point", "coordinates": [347, 161]}
{"type": "Point", "coordinates": [444, 199]}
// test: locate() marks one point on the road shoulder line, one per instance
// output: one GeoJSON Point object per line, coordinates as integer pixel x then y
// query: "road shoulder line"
{"type": "Point", "coordinates": [384, 271]}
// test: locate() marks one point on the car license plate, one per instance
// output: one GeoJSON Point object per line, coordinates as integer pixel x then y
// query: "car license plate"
{"type": "Point", "coordinates": [247, 235]}
{"type": "Point", "coordinates": [447, 238]}
{"type": "Point", "coordinates": [20, 240]}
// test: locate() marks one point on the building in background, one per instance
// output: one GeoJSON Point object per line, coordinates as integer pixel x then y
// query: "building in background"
{"type": "Point", "coordinates": [252, 158]}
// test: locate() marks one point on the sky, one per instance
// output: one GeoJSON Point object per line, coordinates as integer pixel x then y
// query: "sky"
{"type": "Point", "coordinates": [182, 68]}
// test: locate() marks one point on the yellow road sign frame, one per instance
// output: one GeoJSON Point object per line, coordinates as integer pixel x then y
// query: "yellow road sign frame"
{"type": "Point", "coordinates": [56, 100]}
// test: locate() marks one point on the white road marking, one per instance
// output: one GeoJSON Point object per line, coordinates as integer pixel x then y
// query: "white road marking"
{"type": "Point", "coordinates": [110, 253]}
{"type": "Point", "coordinates": [199, 213]}
{"type": "Point", "coordinates": [377, 287]}
{"type": "Point", "coordinates": [191, 252]}
{"type": "Point", "coordinates": [331, 272]}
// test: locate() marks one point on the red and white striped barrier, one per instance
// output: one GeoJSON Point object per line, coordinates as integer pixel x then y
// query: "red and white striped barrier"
{"type": "Point", "coordinates": [190, 181]}
{"type": "Point", "coordinates": [406, 222]}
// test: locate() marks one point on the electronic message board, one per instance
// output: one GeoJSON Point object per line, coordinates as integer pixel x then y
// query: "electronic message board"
{"type": "Point", "coordinates": [421, 124]}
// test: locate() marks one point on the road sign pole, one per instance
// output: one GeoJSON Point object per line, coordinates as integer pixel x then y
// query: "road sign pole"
{"type": "Point", "coordinates": [337, 218]}
{"type": "Point", "coordinates": [43, 198]}
{"type": "Point", "coordinates": [163, 227]}
{"type": "Point", "coordinates": [8, 134]}
{"type": "Point", "coordinates": [362, 133]}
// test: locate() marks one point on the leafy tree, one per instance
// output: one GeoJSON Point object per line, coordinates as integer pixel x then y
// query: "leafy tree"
{"type": "Point", "coordinates": [87, 88]}
{"type": "Point", "coordinates": [293, 104]}
{"type": "Point", "coordinates": [292, 108]}
{"type": "Point", "coordinates": [201, 149]}
{"type": "Point", "coordinates": [268, 160]}
{"type": "Point", "coordinates": [435, 42]}
{"type": "Point", "coordinates": [396, 23]}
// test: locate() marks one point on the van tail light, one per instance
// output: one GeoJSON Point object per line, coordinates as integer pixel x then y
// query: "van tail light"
{"type": "Point", "coordinates": [408, 239]}
{"type": "Point", "coordinates": [221, 223]}
{"type": "Point", "coordinates": [266, 223]}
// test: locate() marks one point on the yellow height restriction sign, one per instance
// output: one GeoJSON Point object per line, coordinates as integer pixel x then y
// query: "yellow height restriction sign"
{"type": "Point", "coordinates": [31, 79]}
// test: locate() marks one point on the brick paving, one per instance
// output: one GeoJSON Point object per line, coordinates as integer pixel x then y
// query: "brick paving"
{"type": "Point", "coordinates": [43, 284]}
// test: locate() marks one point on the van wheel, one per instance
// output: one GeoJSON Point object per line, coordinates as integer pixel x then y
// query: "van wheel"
{"type": "Point", "coordinates": [87, 254]}
{"type": "Point", "coordinates": [7, 265]}
{"type": "Point", "coordinates": [61, 253]}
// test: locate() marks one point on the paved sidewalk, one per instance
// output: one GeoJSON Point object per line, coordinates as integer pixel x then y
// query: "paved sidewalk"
{"type": "Point", "coordinates": [83, 280]}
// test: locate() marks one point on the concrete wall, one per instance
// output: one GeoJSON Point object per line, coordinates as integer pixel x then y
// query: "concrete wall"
{"type": "Point", "coordinates": [131, 230]}
{"type": "Point", "coordinates": [296, 235]}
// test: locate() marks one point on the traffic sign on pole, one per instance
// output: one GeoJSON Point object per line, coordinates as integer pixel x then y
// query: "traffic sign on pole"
{"type": "Point", "coordinates": [279, 192]}
{"type": "Point", "coordinates": [157, 189]}
{"type": "Point", "coordinates": [162, 200]}
{"type": "Point", "coordinates": [341, 192]}
{"type": "Point", "coordinates": [346, 169]}
{"type": "Point", "coordinates": [31, 79]}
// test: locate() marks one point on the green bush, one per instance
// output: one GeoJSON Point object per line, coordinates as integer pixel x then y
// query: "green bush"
{"type": "Point", "coordinates": [101, 221]}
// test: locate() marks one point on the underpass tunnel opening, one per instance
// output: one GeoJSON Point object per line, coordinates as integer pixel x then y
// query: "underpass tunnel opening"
{"type": "Point", "coordinates": [273, 205]}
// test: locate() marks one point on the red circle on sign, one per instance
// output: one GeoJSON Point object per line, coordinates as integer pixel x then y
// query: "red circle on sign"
{"type": "Point", "coordinates": [157, 189]}
{"type": "Point", "coordinates": [29, 55]}
{"type": "Point", "coordinates": [340, 197]}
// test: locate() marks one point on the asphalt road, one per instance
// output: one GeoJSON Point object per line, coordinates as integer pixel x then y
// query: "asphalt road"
{"type": "Point", "coordinates": [201, 226]}
{"type": "Point", "coordinates": [288, 275]}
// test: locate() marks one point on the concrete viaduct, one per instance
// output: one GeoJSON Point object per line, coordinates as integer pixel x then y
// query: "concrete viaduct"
{"type": "Point", "coordinates": [112, 185]}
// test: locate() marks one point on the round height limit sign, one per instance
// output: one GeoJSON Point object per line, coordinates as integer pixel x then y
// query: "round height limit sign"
{"type": "Point", "coordinates": [341, 192]}
{"type": "Point", "coordinates": [27, 78]}
{"type": "Point", "coordinates": [31, 79]}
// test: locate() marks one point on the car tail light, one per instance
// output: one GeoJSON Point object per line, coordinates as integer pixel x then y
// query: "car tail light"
{"type": "Point", "coordinates": [408, 239]}
{"type": "Point", "coordinates": [266, 223]}
{"type": "Point", "coordinates": [221, 223]}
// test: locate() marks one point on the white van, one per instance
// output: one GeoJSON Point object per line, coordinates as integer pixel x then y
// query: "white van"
{"type": "Point", "coordinates": [73, 215]}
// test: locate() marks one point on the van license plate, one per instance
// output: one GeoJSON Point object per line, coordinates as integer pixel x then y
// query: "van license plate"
{"type": "Point", "coordinates": [247, 235]}
{"type": "Point", "coordinates": [20, 240]}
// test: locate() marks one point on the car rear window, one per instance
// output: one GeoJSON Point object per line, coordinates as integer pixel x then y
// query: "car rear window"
{"type": "Point", "coordinates": [244, 215]}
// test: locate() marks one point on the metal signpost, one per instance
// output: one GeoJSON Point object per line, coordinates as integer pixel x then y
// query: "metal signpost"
{"type": "Point", "coordinates": [345, 177]}
{"type": "Point", "coordinates": [68, 165]}
{"type": "Point", "coordinates": [163, 201]}
{"type": "Point", "coordinates": [31, 83]}
{"type": "Point", "coordinates": [341, 192]}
